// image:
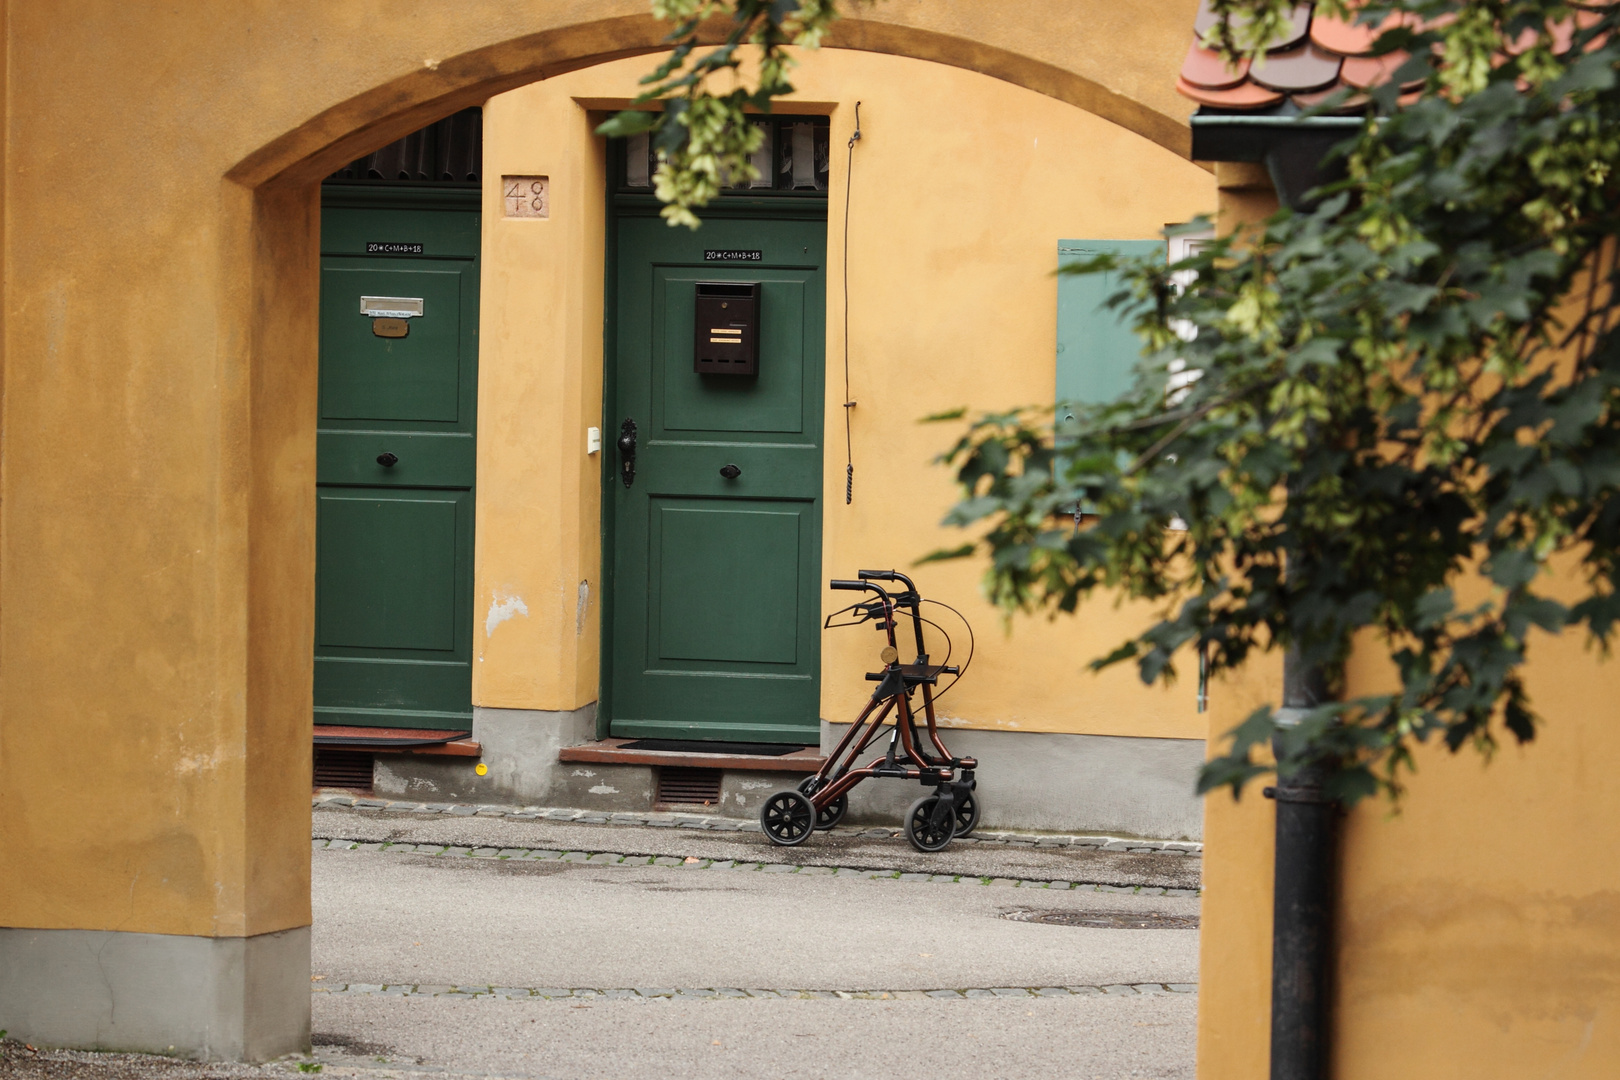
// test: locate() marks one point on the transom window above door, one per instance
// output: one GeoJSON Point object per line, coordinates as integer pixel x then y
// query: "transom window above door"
{"type": "Point", "coordinates": [794, 156]}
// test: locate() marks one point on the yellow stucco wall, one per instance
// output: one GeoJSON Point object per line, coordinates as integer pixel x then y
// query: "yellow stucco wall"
{"type": "Point", "coordinates": [157, 470]}
{"type": "Point", "coordinates": [963, 186]}
{"type": "Point", "coordinates": [1478, 926]}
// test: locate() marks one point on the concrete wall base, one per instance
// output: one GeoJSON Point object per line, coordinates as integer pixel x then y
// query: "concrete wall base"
{"type": "Point", "coordinates": [212, 999]}
{"type": "Point", "coordinates": [1059, 783]}
{"type": "Point", "coordinates": [1027, 780]}
{"type": "Point", "coordinates": [520, 748]}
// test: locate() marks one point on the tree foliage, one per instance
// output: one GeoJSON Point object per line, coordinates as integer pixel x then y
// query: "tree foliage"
{"type": "Point", "coordinates": [1391, 413]}
{"type": "Point", "coordinates": [702, 136]}
{"type": "Point", "coordinates": [1379, 420]}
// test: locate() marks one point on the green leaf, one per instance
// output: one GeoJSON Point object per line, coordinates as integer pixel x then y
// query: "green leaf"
{"type": "Point", "coordinates": [628, 122]}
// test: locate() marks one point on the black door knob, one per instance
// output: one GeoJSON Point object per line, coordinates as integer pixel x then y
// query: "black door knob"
{"type": "Point", "coordinates": [387, 460]}
{"type": "Point", "coordinates": [730, 472]}
{"type": "Point", "coordinates": [627, 451]}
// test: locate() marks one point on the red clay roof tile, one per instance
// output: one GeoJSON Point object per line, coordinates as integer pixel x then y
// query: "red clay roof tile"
{"type": "Point", "coordinates": [1317, 56]}
{"type": "Point", "coordinates": [1347, 38]}
{"type": "Point", "coordinates": [1246, 95]}
{"type": "Point", "coordinates": [1206, 68]}
{"type": "Point", "coordinates": [1299, 20]}
{"type": "Point", "coordinates": [1304, 67]}
{"type": "Point", "coordinates": [1363, 72]}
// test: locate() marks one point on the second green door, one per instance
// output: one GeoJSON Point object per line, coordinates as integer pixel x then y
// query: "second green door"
{"type": "Point", "coordinates": [716, 541]}
{"type": "Point", "coordinates": [395, 460]}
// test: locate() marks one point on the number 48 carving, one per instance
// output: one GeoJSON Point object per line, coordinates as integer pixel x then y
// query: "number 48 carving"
{"type": "Point", "coordinates": [526, 196]}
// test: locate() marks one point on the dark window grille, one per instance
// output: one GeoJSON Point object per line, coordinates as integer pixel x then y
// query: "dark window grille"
{"type": "Point", "coordinates": [448, 151]}
{"type": "Point", "coordinates": [794, 156]}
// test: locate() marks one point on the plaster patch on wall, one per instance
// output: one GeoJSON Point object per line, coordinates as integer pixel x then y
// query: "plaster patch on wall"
{"type": "Point", "coordinates": [502, 608]}
{"type": "Point", "coordinates": [754, 785]}
{"type": "Point", "coordinates": [582, 608]}
{"type": "Point", "coordinates": [603, 789]}
{"type": "Point", "coordinates": [583, 772]}
{"type": "Point", "coordinates": [195, 763]}
{"type": "Point", "coordinates": [979, 725]}
{"type": "Point", "coordinates": [420, 782]}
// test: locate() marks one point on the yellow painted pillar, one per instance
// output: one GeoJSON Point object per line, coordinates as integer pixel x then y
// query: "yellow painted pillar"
{"type": "Point", "coordinates": [1234, 998]}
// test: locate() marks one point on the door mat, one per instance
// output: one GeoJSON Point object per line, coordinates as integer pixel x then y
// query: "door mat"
{"type": "Point", "coordinates": [694, 746]}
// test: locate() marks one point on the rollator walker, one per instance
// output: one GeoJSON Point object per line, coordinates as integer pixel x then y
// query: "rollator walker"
{"type": "Point", "coordinates": [820, 801]}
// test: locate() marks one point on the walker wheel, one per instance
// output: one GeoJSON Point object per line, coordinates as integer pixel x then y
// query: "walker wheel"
{"type": "Point", "coordinates": [833, 812]}
{"type": "Point", "coordinates": [967, 816]}
{"type": "Point", "coordinates": [787, 818]}
{"type": "Point", "coordinates": [923, 831]}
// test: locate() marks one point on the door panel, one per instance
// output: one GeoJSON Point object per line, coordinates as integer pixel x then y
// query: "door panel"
{"type": "Point", "coordinates": [713, 629]}
{"type": "Point", "coordinates": [395, 472]}
{"type": "Point", "coordinates": [772, 401]}
{"type": "Point", "coordinates": [716, 601]}
{"type": "Point", "coordinates": [400, 598]}
{"type": "Point", "coordinates": [416, 377]}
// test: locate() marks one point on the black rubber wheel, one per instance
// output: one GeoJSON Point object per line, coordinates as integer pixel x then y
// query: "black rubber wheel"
{"type": "Point", "coordinates": [967, 816]}
{"type": "Point", "coordinates": [788, 818]}
{"type": "Point", "coordinates": [922, 831]}
{"type": "Point", "coordinates": [833, 812]}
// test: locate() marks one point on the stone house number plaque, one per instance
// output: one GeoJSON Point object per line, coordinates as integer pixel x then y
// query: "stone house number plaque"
{"type": "Point", "coordinates": [526, 196]}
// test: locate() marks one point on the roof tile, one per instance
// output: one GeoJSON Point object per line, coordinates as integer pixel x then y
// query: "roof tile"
{"type": "Point", "coordinates": [1246, 95]}
{"type": "Point", "coordinates": [1299, 19]}
{"type": "Point", "coordinates": [1347, 37]}
{"type": "Point", "coordinates": [1303, 67]}
{"type": "Point", "coordinates": [1208, 69]}
{"type": "Point", "coordinates": [1318, 56]}
{"type": "Point", "coordinates": [1363, 72]}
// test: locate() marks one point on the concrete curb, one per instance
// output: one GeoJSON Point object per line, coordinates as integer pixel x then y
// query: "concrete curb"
{"type": "Point", "coordinates": [725, 993]}
{"type": "Point", "coordinates": [713, 823]}
{"type": "Point", "coordinates": [692, 862]}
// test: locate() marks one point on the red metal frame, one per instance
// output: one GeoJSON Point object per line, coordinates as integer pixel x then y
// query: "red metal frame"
{"type": "Point", "coordinates": [905, 758]}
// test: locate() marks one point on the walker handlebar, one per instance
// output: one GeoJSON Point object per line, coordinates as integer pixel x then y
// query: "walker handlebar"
{"type": "Point", "coordinates": [886, 575]}
{"type": "Point", "coordinates": [851, 586]}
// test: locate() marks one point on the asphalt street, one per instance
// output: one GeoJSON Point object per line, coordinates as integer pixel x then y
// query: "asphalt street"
{"type": "Point", "coordinates": [404, 928]}
{"type": "Point", "coordinates": [462, 963]}
{"type": "Point", "coordinates": [1074, 1038]}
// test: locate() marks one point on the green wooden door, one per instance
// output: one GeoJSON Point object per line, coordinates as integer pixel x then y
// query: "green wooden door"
{"type": "Point", "coordinates": [713, 628]}
{"type": "Point", "coordinates": [393, 566]}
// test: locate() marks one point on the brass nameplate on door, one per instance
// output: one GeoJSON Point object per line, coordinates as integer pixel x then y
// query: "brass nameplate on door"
{"type": "Point", "coordinates": [390, 328]}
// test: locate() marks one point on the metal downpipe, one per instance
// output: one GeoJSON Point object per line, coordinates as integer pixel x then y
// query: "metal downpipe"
{"type": "Point", "coordinates": [1302, 906]}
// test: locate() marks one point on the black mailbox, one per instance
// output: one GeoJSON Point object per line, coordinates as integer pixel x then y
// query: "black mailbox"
{"type": "Point", "coordinates": [726, 337]}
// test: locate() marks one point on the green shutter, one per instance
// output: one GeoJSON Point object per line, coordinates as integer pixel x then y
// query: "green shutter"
{"type": "Point", "coordinates": [1096, 350]}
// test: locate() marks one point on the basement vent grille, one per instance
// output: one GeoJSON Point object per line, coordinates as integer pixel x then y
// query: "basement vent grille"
{"type": "Point", "coordinates": [347, 769]}
{"type": "Point", "coordinates": [689, 787]}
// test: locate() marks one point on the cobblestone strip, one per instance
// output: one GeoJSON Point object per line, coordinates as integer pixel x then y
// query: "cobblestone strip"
{"type": "Point", "coordinates": [722, 824]}
{"type": "Point", "coordinates": [613, 858]}
{"type": "Point", "coordinates": [713, 993]}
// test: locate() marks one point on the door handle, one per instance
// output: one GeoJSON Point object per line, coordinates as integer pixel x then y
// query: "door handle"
{"type": "Point", "coordinates": [730, 472]}
{"type": "Point", "coordinates": [627, 451]}
{"type": "Point", "coordinates": [387, 460]}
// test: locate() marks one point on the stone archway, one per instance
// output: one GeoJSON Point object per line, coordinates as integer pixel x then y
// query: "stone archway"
{"type": "Point", "coordinates": [157, 544]}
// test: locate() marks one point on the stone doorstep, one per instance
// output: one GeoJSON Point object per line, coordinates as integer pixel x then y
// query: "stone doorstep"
{"type": "Point", "coordinates": [612, 752]}
{"type": "Point", "coordinates": [371, 740]}
{"type": "Point", "coordinates": [668, 819]}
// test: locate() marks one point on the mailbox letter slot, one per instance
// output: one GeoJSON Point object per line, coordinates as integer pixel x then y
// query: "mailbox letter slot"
{"type": "Point", "coordinates": [726, 338]}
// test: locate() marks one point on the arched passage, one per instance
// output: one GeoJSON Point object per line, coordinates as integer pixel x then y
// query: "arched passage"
{"type": "Point", "coordinates": [158, 531]}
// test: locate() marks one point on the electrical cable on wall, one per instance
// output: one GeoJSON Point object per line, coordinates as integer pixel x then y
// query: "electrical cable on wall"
{"type": "Point", "coordinates": [849, 440]}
